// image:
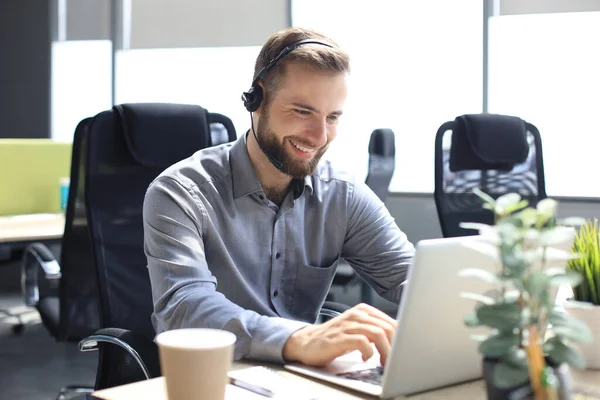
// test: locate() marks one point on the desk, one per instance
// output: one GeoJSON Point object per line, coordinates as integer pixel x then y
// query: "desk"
{"type": "Point", "coordinates": [28, 228]}
{"type": "Point", "coordinates": [18, 230]}
{"type": "Point", "coordinates": [154, 389]}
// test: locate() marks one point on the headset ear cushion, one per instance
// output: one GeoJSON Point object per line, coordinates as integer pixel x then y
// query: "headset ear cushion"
{"type": "Point", "coordinates": [252, 98]}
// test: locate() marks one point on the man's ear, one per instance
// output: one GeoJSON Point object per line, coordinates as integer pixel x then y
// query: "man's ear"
{"type": "Point", "coordinates": [262, 96]}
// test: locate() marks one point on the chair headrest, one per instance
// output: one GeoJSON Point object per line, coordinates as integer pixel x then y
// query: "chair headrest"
{"type": "Point", "coordinates": [488, 142]}
{"type": "Point", "coordinates": [159, 135]}
{"type": "Point", "coordinates": [382, 142]}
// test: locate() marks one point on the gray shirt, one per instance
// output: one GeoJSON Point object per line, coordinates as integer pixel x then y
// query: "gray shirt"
{"type": "Point", "coordinates": [221, 255]}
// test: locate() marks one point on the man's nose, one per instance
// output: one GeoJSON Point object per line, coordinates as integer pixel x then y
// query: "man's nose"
{"type": "Point", "coordinates": [319, 131]}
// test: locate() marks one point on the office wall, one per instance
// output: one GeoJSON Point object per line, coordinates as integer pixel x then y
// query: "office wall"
{"type": "Point", "coordinates": [508, 7]}
{"type": "Point", "coordinates": [87, 19]}
{"type": "Point", "coordinates": [193, 23]}
{"type": "Point", "coordinates": [24, 69]}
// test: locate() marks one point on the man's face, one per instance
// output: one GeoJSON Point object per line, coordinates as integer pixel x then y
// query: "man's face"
{"type": "Point", "coordinates": [301, 118]}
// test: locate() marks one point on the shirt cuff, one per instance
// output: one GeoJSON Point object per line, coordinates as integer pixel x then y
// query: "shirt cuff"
{"type": "Point", "coordinates": [270, 337]}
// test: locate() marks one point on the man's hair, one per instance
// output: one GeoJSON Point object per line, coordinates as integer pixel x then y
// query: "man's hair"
{"type": "Point", "coordinates": [321, 58]}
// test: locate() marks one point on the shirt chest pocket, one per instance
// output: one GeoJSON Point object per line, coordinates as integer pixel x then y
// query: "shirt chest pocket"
{"type": "Point", "coordinates": [311, 287]}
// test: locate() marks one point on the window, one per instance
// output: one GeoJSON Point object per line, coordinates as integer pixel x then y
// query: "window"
{"type": "Point", "coordinates": [415, 65]}
{"type": "Point", "coordinates": [550, 78]}
{"type": "Point", "coordinates": [81, 84]}
{"type": "Point", "coordinates": [213, 77]}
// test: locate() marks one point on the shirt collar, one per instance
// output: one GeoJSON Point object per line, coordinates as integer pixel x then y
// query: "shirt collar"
{"type": "Point", "coordinates": [245, 180]}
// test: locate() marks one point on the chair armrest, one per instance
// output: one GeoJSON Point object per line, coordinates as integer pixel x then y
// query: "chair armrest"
{"type": "Point", "coordinates": [332, 309]}
{"type": "Point", "coordinates": [37, 256]}
{"type": "Point", "coordinates": [143, 350]}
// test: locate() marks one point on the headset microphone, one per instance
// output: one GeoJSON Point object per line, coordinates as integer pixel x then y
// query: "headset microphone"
{"type": "Point", "coordinates": [253, 97]}
{"type": "Point", "coordinates": [276, 163]}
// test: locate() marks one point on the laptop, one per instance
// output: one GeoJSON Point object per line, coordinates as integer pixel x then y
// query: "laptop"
{"type": "Point", "coordinates": [432, 348]}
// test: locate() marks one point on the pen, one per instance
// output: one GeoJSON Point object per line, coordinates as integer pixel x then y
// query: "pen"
{"type": "Point", "coordinates": [253, 388]}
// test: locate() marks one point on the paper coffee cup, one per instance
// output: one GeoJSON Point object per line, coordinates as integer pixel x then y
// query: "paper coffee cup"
{"type": "Point", "coordinates": [195, 362]}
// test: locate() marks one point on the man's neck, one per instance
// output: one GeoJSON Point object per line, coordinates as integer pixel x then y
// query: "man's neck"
{"type": "Point", "coordinates": [271, 179]}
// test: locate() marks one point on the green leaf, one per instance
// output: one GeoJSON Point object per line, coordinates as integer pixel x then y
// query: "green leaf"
{"type": "Point", "coordinates": [508, 376]}
{"type": "Point", "coordinates": [503, 316]}
{"type": "Point", "coordinates": [568, 278]}
{"type": "Point", "coordinates": [484, 248]}
{"type": "Point", "coordinates": [508, 200]}
{"type": "Point", "coordinates": [560, 353]}
{"type": "Point", "coordinates": [511, 296]}
{"type": "Point", "coordinates": [570, 327]}
{"type": "Point", "coordinates": [556, 235]}
{"type": "Point", "coordinates": [519, 206]}
{"type": "Point", "coordinates": [487, 199]}
{"type": "Point", "coordinates": [514, 262]}
{"type": "Point", "coordinates": [528, 217]}
{"type": "Point", "coordinates": [547, 207]}
{"type": "Point", "coordinates": [576, 335]}
{"type": "Point", "coordinates": [498, 345]}
{"type": "Point", "coordinates": [477, 297]}
{"type": "Point", "coordinates": [509, 233]}
{"type": "Point", "coordinates": [482, 274]}
{"type": "Point", "coordinates": [476, 226]}
{"type": "Point", "coordinates": [517, 357]}
{"type": "Point", "coordinates": [537, 283]}
{"type": "Point", "coordinates": [549, 378]}
{"type": "Point", "coordinates": [471, 320]}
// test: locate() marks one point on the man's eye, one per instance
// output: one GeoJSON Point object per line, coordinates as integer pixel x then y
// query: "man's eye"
{"type": "Point", "coordinates": [333, 117]}
{"type": "Point", "coordinates": [301, 112]}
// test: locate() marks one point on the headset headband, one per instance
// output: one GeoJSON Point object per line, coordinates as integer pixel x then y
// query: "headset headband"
{"type": "Point", "coordinates": [283, 52]}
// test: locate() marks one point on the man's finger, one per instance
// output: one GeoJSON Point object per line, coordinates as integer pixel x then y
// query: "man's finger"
{"type": "Point", "coordinates": [367, 319]}
{"type": "Point", "coordinates": [375, 335]}
{"type": "Point", "coordinates": [374, 312]}
{"type": "Point", "coordinates": [350, 342]}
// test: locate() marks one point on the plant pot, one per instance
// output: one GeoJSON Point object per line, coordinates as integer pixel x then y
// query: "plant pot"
{"type": "Point", "coordinates": [524, 391]}
{"type": "Point", "coordinates": [590, 352]}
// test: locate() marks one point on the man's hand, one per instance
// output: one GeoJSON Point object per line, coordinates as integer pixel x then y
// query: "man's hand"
{"type": "Point", "coordinates": [355, 329]}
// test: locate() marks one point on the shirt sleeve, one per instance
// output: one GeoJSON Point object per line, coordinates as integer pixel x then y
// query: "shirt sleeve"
{"type": "Point", "coordinates": [374, 245]}
{"type": "Point", "coordinates": [184, 290]}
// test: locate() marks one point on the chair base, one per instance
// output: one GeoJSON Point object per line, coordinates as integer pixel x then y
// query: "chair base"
{"type": "Point", "coordinates": [69, 392]}
{"type": "Point", "coordinates": [18, 328]}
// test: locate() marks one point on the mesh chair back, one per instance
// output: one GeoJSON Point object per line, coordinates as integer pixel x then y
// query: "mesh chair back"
{"type": "Point", "coordinates": [79, 297]}
{"type": "Point", "coordinates": [129, 146]}
{"type": "Point", "coordinates": [454, 197]}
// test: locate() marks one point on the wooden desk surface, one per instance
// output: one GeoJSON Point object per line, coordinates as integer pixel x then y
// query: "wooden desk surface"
{"type": "Point", "coordinates": [26, 228]}
{"type": "Point", "coordinates": [154, 389]}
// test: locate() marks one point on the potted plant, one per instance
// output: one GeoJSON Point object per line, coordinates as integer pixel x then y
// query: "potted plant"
{"type": "Point", "coordinates": [521, 359]}
{"type": "Point", "coordinates": [587, 263]}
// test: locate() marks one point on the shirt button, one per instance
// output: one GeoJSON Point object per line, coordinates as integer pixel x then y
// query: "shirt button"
{"type": "Point", "coordinates": [275, 293]}
{"type": "Point", "coordinates": [278, 256]}
{"type": "Point", "coordinates": [260, 196]}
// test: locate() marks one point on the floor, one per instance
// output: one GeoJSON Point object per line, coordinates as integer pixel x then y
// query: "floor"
{"type": "Point", "coordinates": [33, 366]}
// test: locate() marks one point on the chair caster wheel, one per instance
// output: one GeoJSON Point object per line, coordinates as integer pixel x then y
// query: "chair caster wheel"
{"type": "Point", "coordinates": [18, 329]}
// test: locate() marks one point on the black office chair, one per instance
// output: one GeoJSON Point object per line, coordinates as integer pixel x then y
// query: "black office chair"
{"type": "Point", "coordinates": [498, 154]}
{"type": "Point", "coordinates": [382, 162]}
{"type": "Point", "coordinates": [67, 297]}
{"type": "Point", "coordinates": [131, 145]}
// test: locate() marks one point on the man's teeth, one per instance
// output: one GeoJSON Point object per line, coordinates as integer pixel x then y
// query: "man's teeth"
{"type": "Point", "coordinates": [304, 149]}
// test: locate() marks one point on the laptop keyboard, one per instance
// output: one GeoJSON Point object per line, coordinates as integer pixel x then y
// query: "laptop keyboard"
{"type": "Point", "coordinates": [372, 375]}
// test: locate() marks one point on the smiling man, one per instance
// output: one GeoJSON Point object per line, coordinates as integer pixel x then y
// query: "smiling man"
{"type": "Point", "coordinates": [246, 236]}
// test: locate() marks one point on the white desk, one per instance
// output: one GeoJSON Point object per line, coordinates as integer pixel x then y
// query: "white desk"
{"type": "Point", "coordinates": [154, 389]}
{"type": "Point", "coordinates": [32, 227]}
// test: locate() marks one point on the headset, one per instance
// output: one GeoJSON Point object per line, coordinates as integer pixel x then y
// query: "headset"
{"type": "Point", "coordinates": [253, 97]}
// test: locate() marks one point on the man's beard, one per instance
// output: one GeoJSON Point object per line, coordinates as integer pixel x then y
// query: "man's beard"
{"type": "Point", "coordinates": [273, 146]}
